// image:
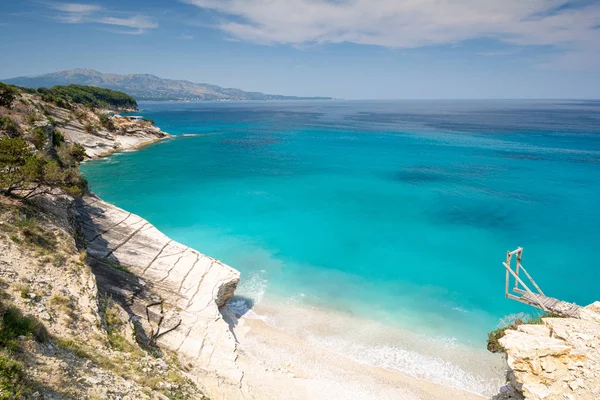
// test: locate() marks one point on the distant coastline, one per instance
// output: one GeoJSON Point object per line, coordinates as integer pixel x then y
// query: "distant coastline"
{"type": "Point", "coordinates": [146, 87]}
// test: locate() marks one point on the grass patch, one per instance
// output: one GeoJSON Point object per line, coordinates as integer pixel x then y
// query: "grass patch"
{"type": "Point", "coordinates": [14, 324]}
{"type": "Point", "coordinates": [37, 237]}
{"type": "Point", "coordinates": [32, 234]}
{"type": "Point", "coordinates": [23, 220]}
{"type": "Point", "coordinates": [493, 341]}
{"type": "Point", "coordinates": [116, 266]}
{"type": "Point", "coordinates": [23, 290]}
{"type": "Point", "coordinates": [8, 228]}
{"type": "Point", "coordinates": [58, 300]}
{"type": "Point", "coordinates": [120, 343]}
{"type": "Point", "coordinates": [12, 378]}
{"type": "Point", "coordinates": [75, 347]}
{"type": "Point", "coordinates": [59, 260]}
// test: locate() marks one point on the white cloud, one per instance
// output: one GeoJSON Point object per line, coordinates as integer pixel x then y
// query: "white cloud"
{"type": "Point", "coordinates": [139, 23]}
{"type": "Point", "coordinates": [74, 13]}
{"type": "Point", "coordinates": [75, 8]}
{"type": "Point", "coordinates": [77, 13]}
{"type": "Point", "coordinates": [410, 23]}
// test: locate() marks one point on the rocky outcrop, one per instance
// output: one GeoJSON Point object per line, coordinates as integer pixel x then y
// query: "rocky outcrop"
{"type": "Point", "coordinates": [559, 359]}
{"type": "Point", "coordinates": [83, 125]}
{"type": "Point", "coordinates": [172, 292]}
{"type": "Point", "coordinates": [100, 142]}
{"type": "Point", "coordinates": [165, 298]}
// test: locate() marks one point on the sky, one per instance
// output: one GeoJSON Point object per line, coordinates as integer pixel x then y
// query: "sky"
{"type": "Point", "coordinates": [353, 49]}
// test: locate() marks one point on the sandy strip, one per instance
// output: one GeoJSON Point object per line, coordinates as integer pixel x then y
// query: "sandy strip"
{"type": "Point", "coordinates": [279, 365]}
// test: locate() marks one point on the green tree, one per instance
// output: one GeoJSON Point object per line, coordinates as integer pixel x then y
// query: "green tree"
{"type": "Point", "coordinates": [14, 153]}
{"type": "Point", "coordinates": [7, 95]}
{"type": "Point", "coordinates": [77, 152]}
{"type": "Point", "coordinates": [90, 96]}
{"type": "Point", "coordinates": [32, 175]}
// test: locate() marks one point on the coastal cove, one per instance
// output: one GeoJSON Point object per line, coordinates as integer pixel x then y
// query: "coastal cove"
{"type": "Point", "coordinates": [374, 229]}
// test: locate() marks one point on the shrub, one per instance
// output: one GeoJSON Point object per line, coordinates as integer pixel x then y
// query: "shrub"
{"type": "Point", "coordinates": [52, 121]}
{"type": "Point", "coordinates": [9, 126]}
{"type": "Point", "coordinates": [107, 122]}
{"type": "Point", "coordinates": [14, 324]}
{"type": "Point", "coordinates": [71, 154]}
{"type": "Point", "coordinates": [12, 378]}
{"type": "Point", "coordinates": [77, 152]}
{"type": "Point", "coordinates": [7, 95]}
{"type": "Point", "coordinates": [38, 138]}
{"type": "Point", "coordinates": [31, 118]}
{"type": "Point", "coordinates": [79, 115]}
{"type": "Point", "coordinates": [89, 128]}
{"type": "Point", "coordinates": [493, 342]}
{"type": "Point", "coordinates": [57, 138]}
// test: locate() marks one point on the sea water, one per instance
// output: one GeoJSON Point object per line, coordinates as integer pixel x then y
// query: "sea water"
{"type": "Point", "coordinates": [395, 213]}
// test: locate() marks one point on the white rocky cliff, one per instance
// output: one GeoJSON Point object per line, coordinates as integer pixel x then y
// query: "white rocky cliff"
{"type": "Point", "coordinates": [558, 359]}
{"type": "Point", "coordinates": [172, 292]}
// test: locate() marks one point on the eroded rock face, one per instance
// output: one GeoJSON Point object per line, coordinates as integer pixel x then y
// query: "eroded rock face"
{"type": "Point", "coordinates": [100, 142]}
{"type": "Point", "coordinates": [559, 359]}
{"type": "Point", "coordinates": [172, 292]}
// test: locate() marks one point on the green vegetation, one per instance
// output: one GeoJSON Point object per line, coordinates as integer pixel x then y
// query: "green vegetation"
{"type": "Point", "coordinates": [7, 95]}
{"type": "Point", "coordinates": [64, 96]}
{"type": "Point", "coordinates": [107, 123]}
{"type": "Point", "coordinates": [89, 128]}
{"type": "Point", "coordinates": [493, 341]}
{"type": "Point", "coordinates": [9, 126]}
{"type": "Point", "coordinates": [14, 324]}
{"type": "Point", "coordinates": [70, 155]}
{"type": "Point", "coordinates": [38, 138]}
{"type": "Point", "coordinates": [116, 266]}
{"type": "Point", "coordinates": [12, 377]}
{"type": "Point", "coordinates": [57, 139]}
{"type": "Point", "coordinates": [25, 171]}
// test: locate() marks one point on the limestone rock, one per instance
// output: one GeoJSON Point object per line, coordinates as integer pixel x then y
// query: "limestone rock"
{"type": "Point", "coordinates": [559, 359]}
{"type": "Point", "coordinates": [172, 290]}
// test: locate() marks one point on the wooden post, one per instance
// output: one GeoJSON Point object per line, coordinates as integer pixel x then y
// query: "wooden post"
{"type": "Point", "coordinates": [526, 287]}
{"type": "Point", "coordinates": [518, 265]}
{"type": "Point", "coordinates": [532, 281]}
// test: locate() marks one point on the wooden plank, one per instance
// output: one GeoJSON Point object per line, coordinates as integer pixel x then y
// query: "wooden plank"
{"type": "Point", "coordinates": [527, 296]}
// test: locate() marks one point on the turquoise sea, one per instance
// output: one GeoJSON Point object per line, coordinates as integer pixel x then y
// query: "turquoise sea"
{"type": "Point", "coordinates": [394, 212]}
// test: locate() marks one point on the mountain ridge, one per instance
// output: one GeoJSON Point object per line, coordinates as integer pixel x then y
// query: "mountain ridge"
{"type": "Point", "coordinates": [147, 86]}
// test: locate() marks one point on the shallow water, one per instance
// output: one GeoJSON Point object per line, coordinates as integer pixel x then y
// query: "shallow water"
{"type": "Point", "coordinates": [396, 212]}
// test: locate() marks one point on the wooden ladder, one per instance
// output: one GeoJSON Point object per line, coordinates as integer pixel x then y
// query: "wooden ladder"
{"type": "Point", "coordinates": [522, 293]}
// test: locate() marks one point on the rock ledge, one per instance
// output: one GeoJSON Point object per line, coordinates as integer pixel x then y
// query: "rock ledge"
{"type": "Point", "coordinates": [559, 359]}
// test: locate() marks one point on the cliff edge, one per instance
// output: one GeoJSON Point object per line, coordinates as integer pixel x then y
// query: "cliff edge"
{"type": "Point", "coordinates": [558, 359]}
{"type": "Point", "coordinates": [90, 288]}
{"type": "Point", "coordinates": [171, 292]}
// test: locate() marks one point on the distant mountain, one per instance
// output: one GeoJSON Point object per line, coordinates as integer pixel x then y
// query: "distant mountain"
{"type": "Point", "coordinates": [147, 87]}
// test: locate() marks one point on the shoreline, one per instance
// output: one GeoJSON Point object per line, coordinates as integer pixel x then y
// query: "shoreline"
{"type": "Point", "coordinates": [373, 344]}
{"type": "Point", "coordinates": [133, 148]}
{"type": "Point", "coordinates": [254, 337]}
{"type": "Point", "coordinates": [292, 368]}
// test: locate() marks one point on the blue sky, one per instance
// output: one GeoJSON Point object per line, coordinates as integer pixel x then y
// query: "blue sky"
{"type": "Point", "coordinates": [342, 48]}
